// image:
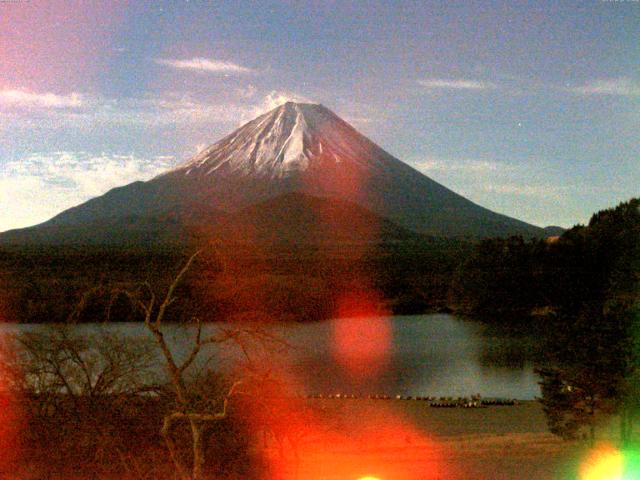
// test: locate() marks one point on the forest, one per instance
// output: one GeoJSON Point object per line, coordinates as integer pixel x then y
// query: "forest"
{"type": "Point", "coordinates": [579, 294]}
{"type": "Point", "coordinates": [285, 283]}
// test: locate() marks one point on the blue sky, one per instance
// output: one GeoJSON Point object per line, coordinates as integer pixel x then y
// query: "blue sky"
{"type": "Point", "coordinates": [531, 109]}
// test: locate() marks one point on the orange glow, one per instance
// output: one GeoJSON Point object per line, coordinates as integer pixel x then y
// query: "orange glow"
{"type": "Point", "coordinates": [9, 432]}
{"type": "Point", "coordinates": [372, 443]}
{"type": "Point", "coordinates": [11, 413]}
{"type": "Point", "coordinates": [360, 344]}
{"type": "Point", "coordinates": [604, 463]}
{"type": "Point", "coordinates": [10, 417]}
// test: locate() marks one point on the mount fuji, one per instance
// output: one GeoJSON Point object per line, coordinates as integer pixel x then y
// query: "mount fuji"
{"type": "Point", "coordinates": [294, 159]}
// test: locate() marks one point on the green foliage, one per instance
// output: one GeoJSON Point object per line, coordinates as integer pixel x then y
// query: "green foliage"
{"type": "Point", "coordinates": [593, 358]}
{"type": "Point", "coordinates": [580, 292]}
{"type": "Point", "coordinates": [509, 279]}
{"type": "Point", "coordinates": [499, 280]}
{"type": "Point", "coordinates": [590, 358]}
{"type": "Point", "coordinates": [560, 402]}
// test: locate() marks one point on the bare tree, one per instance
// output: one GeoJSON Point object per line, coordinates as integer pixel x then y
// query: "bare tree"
{"type": "Point", "coordinates": [76, 387]}
{"type": "Point", "coordinates": [55, 362]}
{"type": "Point", "coordinates": [199, 417]}
{"type": "Point", "coordinates": [62, 370]}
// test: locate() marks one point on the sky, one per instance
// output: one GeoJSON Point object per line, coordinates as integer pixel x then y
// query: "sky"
{"type": "Point", "coordinates": [531, 109]}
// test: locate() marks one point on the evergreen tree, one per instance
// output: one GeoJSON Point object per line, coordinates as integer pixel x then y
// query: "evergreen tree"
{"type": "Point", "coordinates": [592, 361]}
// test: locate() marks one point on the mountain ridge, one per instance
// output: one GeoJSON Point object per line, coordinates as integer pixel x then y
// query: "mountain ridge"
{"type": "Point", "coordinates": [304, 148]}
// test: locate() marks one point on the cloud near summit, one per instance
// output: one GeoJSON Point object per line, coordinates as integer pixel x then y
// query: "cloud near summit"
{"type": "Point", "coordinates": [270, 101]}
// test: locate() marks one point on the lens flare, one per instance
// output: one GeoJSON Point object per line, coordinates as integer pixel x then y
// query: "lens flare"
{"type": "Point", "coordinates": [11, 417]}
{"type": "Point", "coordinates": [361, 345]}
{"type": "Point", "coordinates": [605, 462]}
{"type": "Point", "coordinates": [313, 447]}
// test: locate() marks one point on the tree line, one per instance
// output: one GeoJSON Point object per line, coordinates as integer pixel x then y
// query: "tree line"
{"type": "Point", "coordinates": [580, 294]}
{"type": "Point", "coordinates": [286, 284]}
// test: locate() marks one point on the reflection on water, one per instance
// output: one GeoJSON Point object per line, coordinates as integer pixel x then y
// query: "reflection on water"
{"type": "Point", "coordinates": [435, 355]}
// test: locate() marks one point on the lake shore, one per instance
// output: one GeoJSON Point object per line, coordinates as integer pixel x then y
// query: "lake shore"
{"type": "Point", "coordinates": [435, 355]}
{"type": "Point", "coordinates": [405, 440]}
{"type": "Point", "coordinates": [346, 439]}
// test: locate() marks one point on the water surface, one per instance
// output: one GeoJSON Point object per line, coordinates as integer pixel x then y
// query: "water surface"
{"type": "Point", "coordinates": [427, 355]}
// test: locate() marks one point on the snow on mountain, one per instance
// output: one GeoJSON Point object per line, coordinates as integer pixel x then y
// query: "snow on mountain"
{"type": "Point", "coordinates": [282, 142]}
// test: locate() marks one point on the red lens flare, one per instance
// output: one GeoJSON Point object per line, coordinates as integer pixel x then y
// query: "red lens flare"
{"type": "Point", "coordinates": [370, 442]}
{"type": "Point", "coordinates": [11, 415]}
{"type": "Point", "coordinates": [361, 344]}
{"type": "Point", "coordinates": [300, 437]}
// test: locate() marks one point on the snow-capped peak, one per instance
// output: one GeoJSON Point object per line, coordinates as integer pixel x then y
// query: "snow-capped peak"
{"type": "Point", "coordinates": [286, 140]}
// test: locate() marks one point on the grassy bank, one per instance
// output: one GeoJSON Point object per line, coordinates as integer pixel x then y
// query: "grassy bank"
{"type": "Point", "coordinates": [407, 440]}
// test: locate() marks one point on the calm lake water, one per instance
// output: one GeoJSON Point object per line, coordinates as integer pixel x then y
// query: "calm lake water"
{"type": "Point", "coordinates": [435, 355]}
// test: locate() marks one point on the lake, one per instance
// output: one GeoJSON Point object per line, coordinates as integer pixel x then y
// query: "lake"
{"type": "Point", "coordinates": [419, 355]}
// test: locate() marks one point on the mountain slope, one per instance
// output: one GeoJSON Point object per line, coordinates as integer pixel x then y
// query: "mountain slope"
{"type": "Point", "coordinates": [132, 230]}
{"type": "Point", "coordinates": [307, 148]}
{"type": "Point", "coordinates": [303, 148]}
{"type": "Point", "coordinates": [304, 219]}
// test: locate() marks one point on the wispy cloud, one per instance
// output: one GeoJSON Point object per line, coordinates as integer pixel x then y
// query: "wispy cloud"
{"type": "Point", "coordinates": [67, 178]}
{"type": "Point", "coordinates": [247, 92]}
{"type": "Point", "coordinates": [534, 191]}
{"type": "Point", "coordinates": [24, 98]}
{"type": "Point", "coordinates": [182, 109]}
{"type": "Point", "coordinates": [207, 65]}
{"type": "Point", "coordinates": [359, 120]}
{"type": "Point", "coordinates": [145, 112]}
{"type": "Point", "coordinates": [623, 86]}
{"type": "Point", "coordinates": [456, 84]}
{"type": "Point", "coordinates": [476, 178]}
{"type": "Point", "coordinates": [433, 164]}
{"type": "Point", "coordinates": [527, 190]}
{"type": "Point", "coordinates": [276, 98]}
